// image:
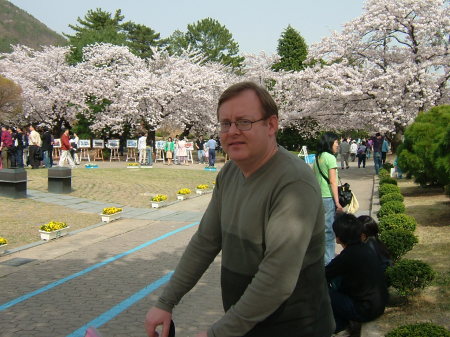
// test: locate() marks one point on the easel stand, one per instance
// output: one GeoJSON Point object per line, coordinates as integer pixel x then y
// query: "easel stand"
{"type": "Point", "coordinates": [131, 154]}
{"type": "Point", "coordinates": [98, 154]}
{"type": "Point", "coordinates": [114, 154]}
{"type": "Point", "coordinates": [160, 156]}
{"type": "Point", "coordinates": [84, 154]}
{"type": "Point", "coordinates": [189, 156]}
{"type": "Point", "coordinates": [56, 153]}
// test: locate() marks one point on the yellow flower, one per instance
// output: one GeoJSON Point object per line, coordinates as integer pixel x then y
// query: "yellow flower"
{"type": "Point", "coordinates": [53, 226]}
{"type": "Point", "coordinates": [133, 164]}
{"type": "Point", "coordinates": [202, 187]}
{"type": "Point", "coordinates": [159, 197]}
{"type": "Point", "coordinates": [111, 210]}
{"type": "Point", "coordinates": [3, 241]}
{"type": "Point", "coordinates": [184, 191]}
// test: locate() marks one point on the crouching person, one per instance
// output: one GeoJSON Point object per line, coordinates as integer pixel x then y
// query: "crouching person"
{"type": "Point", "coordinates": [357, 289]}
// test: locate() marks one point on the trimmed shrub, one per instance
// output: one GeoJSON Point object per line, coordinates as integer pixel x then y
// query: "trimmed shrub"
{"type": "Point", "coordinates": [388, 180]}
{"type": "Point", "coordinates": [383, 173]}
{"type": "Point", "coordinates": [387, 166]}
{"type": "Point", "coordinates": [397, 221]}
{"type": "Point", "coordinates": [391, 197]}
{"type": "Point", "coordinates": [408, 276]}
{"type": "Point", "coordinates": [387, 188]}
{"type": "Point", "coordinates": [398, 242]}
{"type": "Point", "coordinates": [391, 207]}
{"type": "Point", "coordinates": [419, 330]}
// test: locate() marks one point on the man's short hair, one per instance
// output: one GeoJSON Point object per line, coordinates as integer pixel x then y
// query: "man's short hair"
{"type": "Point", "coordinates": [268, 104]}
{"type": "Point", "coordinates": [347, 228]}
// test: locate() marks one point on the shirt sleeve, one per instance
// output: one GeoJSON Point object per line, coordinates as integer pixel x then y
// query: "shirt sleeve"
{"type": "Point", "coordinates": [292, 219]}
{"type": "Point", "coordinates": [199, 254]}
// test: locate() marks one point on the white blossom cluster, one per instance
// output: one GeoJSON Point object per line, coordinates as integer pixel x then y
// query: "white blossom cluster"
{"type": "Point", "coordinates": [383, 69]}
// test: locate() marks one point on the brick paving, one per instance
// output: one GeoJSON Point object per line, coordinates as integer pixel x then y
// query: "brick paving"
{"type": "Point", "coordinates": [66, 307]}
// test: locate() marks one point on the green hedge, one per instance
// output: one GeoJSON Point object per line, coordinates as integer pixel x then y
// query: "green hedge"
{"type": "Point", "coordinates": [391, 207]}
{"type": "Point", "coordinates": [391, 197]}
{"type": "Point", "coordinates": [419, 330]}
{"type": "Point", "coordinates": [383, 173]}
{"type": "Point", "coordinates": [388, 180]}
{"type": "Point", "coordinates": [387, 188]}
{"type": "Point", "coordinates": [398, 242]}
{"type": "Point", "coordinates": [407, 276]}
{"type": "Point", "coordinates": [397, 221]}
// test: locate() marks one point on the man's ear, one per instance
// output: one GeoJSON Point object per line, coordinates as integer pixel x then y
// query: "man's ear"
{"type": "Point", "coordinates": [272, 121]}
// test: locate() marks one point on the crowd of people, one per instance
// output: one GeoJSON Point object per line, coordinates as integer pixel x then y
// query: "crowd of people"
{"type": "Point", "coordinates": [30, 147]}
{"type": "Point", "coordinates": [363, 149]}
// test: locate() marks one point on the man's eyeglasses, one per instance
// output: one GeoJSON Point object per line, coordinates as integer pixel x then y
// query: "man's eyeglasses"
{"type": "Point", "coordinates": [241, 124]}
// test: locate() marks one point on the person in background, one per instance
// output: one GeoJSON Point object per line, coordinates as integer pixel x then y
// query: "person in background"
{"type": "Point", "coordinates": [149, 152]}
{"type": "Point", "coordinates": [47, 147]}
{"type": "Point", "coordinates": [361, 154]}
{"type": "Point", "coordinates": [377, 143]}
{"type": "Point", "coordinates": [326, 172]}
{"type": "Point", "coordinates": [358, 290]}
{"type": "Point", "coordinates": [384, 150]}
{"type": "Point", "coordinates": [19, 140]}
{"type": "Point", "coordinates": [6, 146]}
{"type": "Point", "coordinates": [272, 276]}
{"type": "Point", "coordinates": [200, 150]}
{"type": "Point", "coordinates": [142, 145]}
{"type": "Point", "coordinates": [65, 150]}
{"type": "Point", "coordinates": [169, 148]}
{"type": "Point", "coordinates": [369, 235]}
{"type": "Point", "coordinates": [176, 160]}
{"type": "Point", "coordinates": [34, 145]}
{"type": "Point", "coordinates": [182, 151]}
{"type": "Point", "coordinates": [344, 151]}
{"type": "Point", "coordinates": [353, 150]}
{"type": "Point", "coordinates": [75, 144]}
{"type": "Point", "coordinates": [211, 144]}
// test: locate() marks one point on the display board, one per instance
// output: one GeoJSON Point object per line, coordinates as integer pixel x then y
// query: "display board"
{"type": "Point", "coordinates": [132, 143]}
{"type": "Point", "coordinates": [113, 143]}
{"type": "Point", "coordinates": [98, 144]}
{"type": "Point", "coordinates": [84, 143]}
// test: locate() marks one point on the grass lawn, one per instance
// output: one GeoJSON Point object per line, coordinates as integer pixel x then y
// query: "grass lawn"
{"type": "Point", "coordinates": [127, 187]}
{"type": "Point", "coordinates": [431, 208]}
{"type": "Point", "coordinates": [21, 218]}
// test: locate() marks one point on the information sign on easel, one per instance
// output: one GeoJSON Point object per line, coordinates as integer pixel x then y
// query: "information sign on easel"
{"type": "Point", "coordinates": [131, 149]}
{"type": "Point", "coordinates": [113, 144]}
{"type": "Point", "coordinates": [160, 154]}
{"type": "Point", "coordinates": [98, 145]}
{"type": "Point", "coordinates": [189, 149]}
{"type": "Point", "coordinates": [84, 146]}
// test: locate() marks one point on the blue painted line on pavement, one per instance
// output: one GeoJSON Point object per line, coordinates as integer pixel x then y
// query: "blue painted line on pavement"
{"type": "Point", "coordinates": [91, 268]}
{"type": "Point", "coordinates": [122, 306]}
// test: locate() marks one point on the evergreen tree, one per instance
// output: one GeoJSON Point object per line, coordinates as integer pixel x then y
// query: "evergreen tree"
{"type": "Point", "coordinates": [292, 50]}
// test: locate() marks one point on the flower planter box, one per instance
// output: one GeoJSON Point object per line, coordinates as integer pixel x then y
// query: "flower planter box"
{"type": "Point", "coordinates": [157, 204]}
{"type": "Point", "coordinates": [203, 191]}
{"type": "Point", "coordinates": [182, 196]}
{"type": "Point", "coordinates": [133, 167]}
{"type": "Point", "coordinates": [3, 248]}
{"type": "Point", "coordinates": [54, 234]}
{"type": "Point", "coordinates": [110, 217]}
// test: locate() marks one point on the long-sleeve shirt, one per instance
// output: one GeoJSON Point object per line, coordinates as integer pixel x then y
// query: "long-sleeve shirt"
{"type": "Point", "coordinates": [6, 140]}
{"type": "Point", "coordinates": [34, 138]}
{"type": "Point", "coordinates": [65, 143]}
{"type": "Point", "coordinates": [362, 279]}
{"type": "Point", "coordinates": [269, 227]}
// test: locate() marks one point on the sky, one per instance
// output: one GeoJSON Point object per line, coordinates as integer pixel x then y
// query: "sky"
{"type": "Point", "coordinates": [256, 25]}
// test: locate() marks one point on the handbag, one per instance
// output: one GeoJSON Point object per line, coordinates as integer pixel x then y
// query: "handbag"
{"type": "Point", "coordinates": [344, 192]}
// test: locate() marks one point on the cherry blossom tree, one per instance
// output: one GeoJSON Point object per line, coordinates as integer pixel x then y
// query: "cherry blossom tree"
{"type": "Point", "coordinates": [48, 90]}
{"type": "Point", "coordinates": [386, 65]}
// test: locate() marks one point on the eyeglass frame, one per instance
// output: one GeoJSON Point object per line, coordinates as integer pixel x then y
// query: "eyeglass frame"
{"type": "Point", "coordinates": [236, 123]}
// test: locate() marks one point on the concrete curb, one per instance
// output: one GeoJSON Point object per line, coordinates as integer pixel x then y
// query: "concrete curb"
{"type": "Point", "coordinates": [371, 329]}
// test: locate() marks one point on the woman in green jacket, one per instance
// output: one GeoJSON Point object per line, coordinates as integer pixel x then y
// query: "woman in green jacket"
{"type": "Point", "coordinates": [169, 148]}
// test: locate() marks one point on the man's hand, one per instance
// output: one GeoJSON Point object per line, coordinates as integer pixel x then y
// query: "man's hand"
{"type": "Point", "coordinates": [202, 334]}
{"type": "Point", "coordinates": [156, 317]}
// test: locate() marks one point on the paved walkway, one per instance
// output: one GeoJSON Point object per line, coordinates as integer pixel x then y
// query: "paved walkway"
{"type": "Point", "coordinates": [109, 275]}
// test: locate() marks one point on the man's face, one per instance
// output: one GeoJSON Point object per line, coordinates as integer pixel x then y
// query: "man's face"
{"type": "Point", "coordinates": [251, 146]}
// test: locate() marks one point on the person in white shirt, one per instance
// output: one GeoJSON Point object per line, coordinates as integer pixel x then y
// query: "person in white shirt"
{"type": "Point", "coordinates": [353, 150]}
{"type": "Point", "coordinates": [142, 144]}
